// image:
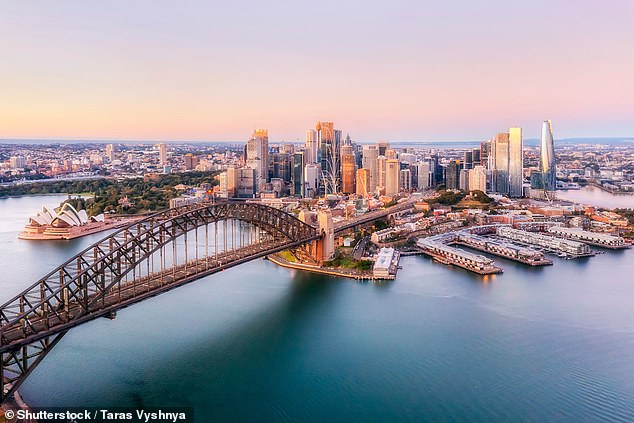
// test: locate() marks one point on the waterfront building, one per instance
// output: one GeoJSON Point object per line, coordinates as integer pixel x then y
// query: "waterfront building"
{"type": "Point", "coordinates": [363, 182]}
{"type": "Point", "coordinates": [348, 169]}
{"type": "Point", "coordinates": [547, 157]}
{"type": "Point", "coordinates": [392, 176]}
{"type": "Point", "coordinates": [298, 174]}
{"type": "Point", "coordinates": [370, 154]}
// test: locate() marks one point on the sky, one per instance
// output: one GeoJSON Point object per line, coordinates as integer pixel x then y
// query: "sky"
{"type": "Point", "coordinates": [397, 70]}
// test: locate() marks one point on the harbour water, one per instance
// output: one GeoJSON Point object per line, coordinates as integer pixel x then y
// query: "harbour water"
{"type": "Point", "coordinates": [264, 343]}
{"type": "Point", "coordinates": [595, 196]}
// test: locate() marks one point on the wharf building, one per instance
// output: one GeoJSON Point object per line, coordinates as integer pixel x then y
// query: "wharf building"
{"type": "Point", "coordinates": [592, 238]}
{"type": "Point", "coordinates": [565, 246]}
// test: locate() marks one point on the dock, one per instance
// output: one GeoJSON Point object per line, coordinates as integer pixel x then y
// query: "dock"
{"type": "Point", "coordinates": [437, 247]}
{"type": "Point", "coordinates": [561, 247]}
{"type": "Point", "coordinates": [501, 248]}
{"type": "Point", "coordinates": [596, 239]}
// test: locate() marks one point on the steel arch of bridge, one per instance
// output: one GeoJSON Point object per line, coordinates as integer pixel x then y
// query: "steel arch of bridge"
{"type": "Point", "coordinates": [90, 284]}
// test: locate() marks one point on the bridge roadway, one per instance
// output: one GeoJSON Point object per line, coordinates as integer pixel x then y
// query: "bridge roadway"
{"type": "Point", "coordinates": [374, 215]}
{"type": "Point", "coordinates": [125, 294]}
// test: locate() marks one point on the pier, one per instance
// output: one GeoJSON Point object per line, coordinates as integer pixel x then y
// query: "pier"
{"type": "Point", "coordinates": [437, 247]}
{"type": "Point", "coordinates": [559, 246]}
{"type": "Point", "coordinates": [592, 238]}
{"type": "Point", "coordinates": [500, 248]}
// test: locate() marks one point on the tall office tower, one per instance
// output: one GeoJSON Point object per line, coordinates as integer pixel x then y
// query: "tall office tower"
{"type": "Point", "coordinates": [500, 163]}
{"type": "Point", "coordinates": [485, 151]}
{"type": "Point", "coordinates": [464, 179]}
{"type": "Point", "coordinates": [370, 154]}
{"type": "Point", "coordinates": [348, 170]}
{"type": "Point", "coordinates": [381, 169]}
{"type": "Point", "coordinates": [405, 180]}
{"type": "Point", "coordinates": [475, 154]}
{"type": "Point", "coordinates": [298, 174]}
{"type": "Point", "coordinates": [280, 166]}
{"type": "Point", "coordinates": [358, 152]}
{"type": "Point", "coordinates": [413, 171]}
{"type": "Point", "coordinates": [516, 163]}
{"type": "Point", "coordinates": [478, 179]}
{"type": "Point", "coordinates": [312, 145]}
{"type": "Point", "coordinates": [547, 157]}
{"type": "Point", "coordinates": [468, 160]}
{"type": "Point", "coordinates": [383, 146]}
{"type": "Point", "coordinates": [390, 153]}
{"type": "Point", "coordinates": [312, 177]}
{"type": "Point", "coordinates": [437, 169]}
{"type": "Point", "coordinates": [363, 182]}
{"type": "Point", "coordinates": [258, 156]}
{"type": "Point", "coordinates": [162, 149]}
{"type": "Point", "coordinates": [110, 152]}
{"type": "Point", "coordinates": [452, 175]}
{"type": "Point", "coordinates": [330, 156]}
{"type": "Point", "coordinates": [392, 176]}
{"type": "Point", "coordinates": [425, 175]}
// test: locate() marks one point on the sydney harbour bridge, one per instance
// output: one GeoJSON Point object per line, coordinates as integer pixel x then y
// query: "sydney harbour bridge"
{"type": "Point", "coordinates": [161, 252]}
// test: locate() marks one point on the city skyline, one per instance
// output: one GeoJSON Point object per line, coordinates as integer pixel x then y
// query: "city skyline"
{"type": "Point", "coordinates": [402, 71]}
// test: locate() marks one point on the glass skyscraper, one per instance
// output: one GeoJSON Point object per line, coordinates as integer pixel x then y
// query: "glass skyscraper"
{"type": "Point", "coordinates": [547, 157]}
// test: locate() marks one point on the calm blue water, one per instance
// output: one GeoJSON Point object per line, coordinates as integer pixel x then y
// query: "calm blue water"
{"type": "Point", "coordinates": [262, 343]}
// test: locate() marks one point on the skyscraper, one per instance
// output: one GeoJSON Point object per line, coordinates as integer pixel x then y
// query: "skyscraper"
{"type": "Point", "coordinates": [547, 157]}
{"type": "Point", "coordinates": [392, 177]}
{"type": "Point", "coordinates": [405, 179]}
{"type": "Point", "coordinates": [370, 154]}
{"type": "Point", "coordinates": [162, 148]}
{"type": "Point", "coordinates": [381, 168]}
{"type": "Point", "coordinates": [298, 174]}
{"type": "Point", "coordinates": [258, 155]}
{"type": "Point", "coordinates": [110, 152]}
{"type": "Point", "coordinates": [329, 156]}
{"type": "Point", "coordinates": [363, 182]}
{"type": "Point", "coordinates": [312, 144]}
{"type": "Point", "coordinates": [516, 162]}
{"type": "Point", "coordinates": [500, 163]}
{"type": "Point", "coordinates": [348, 169]}
{"type": "Point", "coordinates": [452, 175]}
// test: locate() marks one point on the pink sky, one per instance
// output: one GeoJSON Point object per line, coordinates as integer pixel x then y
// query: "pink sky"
{"type": "Point", "coordinates": [397, 70]}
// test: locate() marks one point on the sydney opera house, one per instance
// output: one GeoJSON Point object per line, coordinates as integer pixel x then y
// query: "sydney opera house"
{"type": "Point", "coordinates": [63, 223]}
